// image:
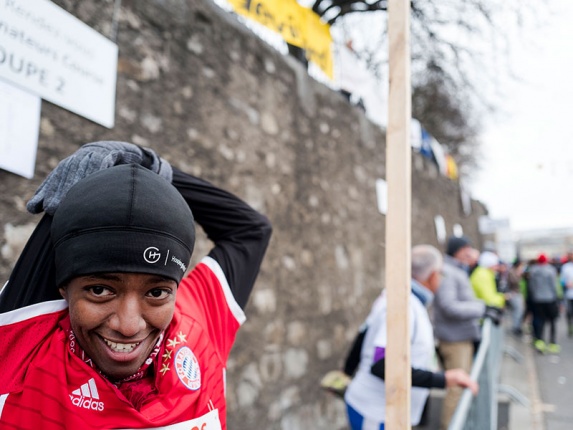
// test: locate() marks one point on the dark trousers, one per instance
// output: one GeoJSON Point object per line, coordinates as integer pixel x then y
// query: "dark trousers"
{"type": "Point", "coordinates": [545, 313]}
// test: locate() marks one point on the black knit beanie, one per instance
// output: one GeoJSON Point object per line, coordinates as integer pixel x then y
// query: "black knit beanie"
{"type": "Point", "coordinates": [456, 243]}
{"type": "Point", "coordinates": [122, 219]}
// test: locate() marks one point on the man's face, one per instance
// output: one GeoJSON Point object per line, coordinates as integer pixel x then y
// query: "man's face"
{"type": "Point", "coordinates": [118, 317]}
{"type": "Point", "coordinates": [467, 255]}
{"type": "Point", "coordinates": [435, 280]}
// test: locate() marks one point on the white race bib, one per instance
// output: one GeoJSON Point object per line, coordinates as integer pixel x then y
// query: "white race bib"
{"type": "Point", "coordinates": [209, 421]}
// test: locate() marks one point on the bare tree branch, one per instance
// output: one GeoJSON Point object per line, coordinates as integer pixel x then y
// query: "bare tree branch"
{"type": "Point", "coordinates": [452, 82]}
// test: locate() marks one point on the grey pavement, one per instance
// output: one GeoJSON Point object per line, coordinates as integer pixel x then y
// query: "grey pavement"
{"type": "Point", "coordinates": [555, 375]}
{"type": "Point", "coordinates": [545, 380]}
{"type": "Point", "coordinates": [518, 372]}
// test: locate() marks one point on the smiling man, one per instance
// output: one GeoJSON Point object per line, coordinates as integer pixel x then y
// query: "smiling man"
{"type": "Point", "coordinates": [119, 317]}
{"type": "Point", "coordinates": [138, 341]}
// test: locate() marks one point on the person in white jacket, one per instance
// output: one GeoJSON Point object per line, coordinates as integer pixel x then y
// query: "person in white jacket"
{"type": "Point", "coordinates": [365, 396]}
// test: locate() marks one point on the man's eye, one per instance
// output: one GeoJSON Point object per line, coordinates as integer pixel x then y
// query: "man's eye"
{"type": "Point", "coordinates": [98, 290]}
{"type": "Point", "coordinates": [159, 293]}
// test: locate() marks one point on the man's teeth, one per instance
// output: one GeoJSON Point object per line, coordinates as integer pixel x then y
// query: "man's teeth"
{"type": "Point", "coordinates": [121, 347]}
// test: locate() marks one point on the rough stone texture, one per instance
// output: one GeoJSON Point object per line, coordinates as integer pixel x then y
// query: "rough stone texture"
{"type": "Point", "coordinates": [216, 101]}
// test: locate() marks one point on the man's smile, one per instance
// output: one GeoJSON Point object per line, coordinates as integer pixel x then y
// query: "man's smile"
{"type": "Point", "coordinates": [121, 347]}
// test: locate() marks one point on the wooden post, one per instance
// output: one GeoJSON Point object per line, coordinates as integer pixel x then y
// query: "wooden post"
{"type": "Point", "coordinates": [398, 219]}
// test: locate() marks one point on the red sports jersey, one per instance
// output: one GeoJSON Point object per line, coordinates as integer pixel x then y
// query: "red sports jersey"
{"type": "Point", "coordinates": [43, 385]}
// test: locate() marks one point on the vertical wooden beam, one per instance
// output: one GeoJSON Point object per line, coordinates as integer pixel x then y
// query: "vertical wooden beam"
{"type": "Point", "coordinates": [398, 219]}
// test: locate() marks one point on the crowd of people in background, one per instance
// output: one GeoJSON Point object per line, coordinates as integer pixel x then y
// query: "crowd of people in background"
{"type": "Point", "coordinates": [532, 293]}
{"type": "Point", "coordinates": [460, 289]}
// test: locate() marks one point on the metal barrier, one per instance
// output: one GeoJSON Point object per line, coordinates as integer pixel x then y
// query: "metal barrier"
{"type": "Point", "coordinates": [480, 412]}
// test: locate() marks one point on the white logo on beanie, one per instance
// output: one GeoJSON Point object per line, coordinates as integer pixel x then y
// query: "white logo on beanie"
{"type": "Point", "coordinates": [151, 255]}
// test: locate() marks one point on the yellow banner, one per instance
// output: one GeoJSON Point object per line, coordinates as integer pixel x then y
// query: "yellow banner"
{"type": "Point", "coordinates": [451, 167]}
{"type": "Point", "coordinates": [296, 24]}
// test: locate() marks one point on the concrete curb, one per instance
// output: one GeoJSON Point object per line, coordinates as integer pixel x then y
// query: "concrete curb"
{"type": "Point", "coordinates": [523, 377]}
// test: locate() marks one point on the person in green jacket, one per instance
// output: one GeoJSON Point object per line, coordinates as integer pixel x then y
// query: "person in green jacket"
{"type": "Point", "coordinates": [483, 280]}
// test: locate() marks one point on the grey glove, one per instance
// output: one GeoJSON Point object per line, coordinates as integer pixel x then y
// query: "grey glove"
{"type": "Point", "coordinates": [87, 160]}
{"type": "Point", "coordinates": [493, 313]}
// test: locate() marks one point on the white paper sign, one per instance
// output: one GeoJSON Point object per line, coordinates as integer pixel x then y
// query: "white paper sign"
{"type": "Point", "coordinates": [415, 134]}
{"type": "Point", "coordinates": [382, 196]}
{"type": "Point", "coordinates": [51, 53]}
{"type": "Point", "coordinates": [19, 129]}
{"type": "Point", "coordinates": [440, 225]}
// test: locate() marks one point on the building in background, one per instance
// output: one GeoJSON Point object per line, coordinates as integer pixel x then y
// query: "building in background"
{"type": "Point", "coordinates": [525, 245]}
{"type": "Point", "coordinates": [553, 242]}
{"type": "Point", "coordinates": [498, 237]}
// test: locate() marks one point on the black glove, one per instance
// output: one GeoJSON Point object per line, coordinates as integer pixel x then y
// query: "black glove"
{"type": "Point", "coordinates": [494, 314]}
{"type": "Point", "coordinates": [87, 160]}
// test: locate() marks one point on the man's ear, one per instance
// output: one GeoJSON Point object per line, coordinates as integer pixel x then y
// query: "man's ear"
{"type": "Point", "coordinates": [64, 292]}
{"type": "Point", "coordinates": [434, 280]}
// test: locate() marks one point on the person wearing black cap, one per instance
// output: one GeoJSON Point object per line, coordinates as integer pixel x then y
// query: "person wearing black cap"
{"type": "Point", "coordinates": [139, 341]}
{"type": "Point", "coordinates": [456, 316]}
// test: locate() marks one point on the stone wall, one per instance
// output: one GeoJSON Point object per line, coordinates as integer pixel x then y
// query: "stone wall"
{"type": "Point", "coordinates": [216, 101]}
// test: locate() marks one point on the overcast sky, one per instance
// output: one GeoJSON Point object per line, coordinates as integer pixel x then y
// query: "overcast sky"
{"type": "Point", "coordinates": [527, 173]}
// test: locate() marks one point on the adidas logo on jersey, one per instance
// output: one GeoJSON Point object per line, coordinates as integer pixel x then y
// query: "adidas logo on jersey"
{"type": "Point", "coordinates": [87, 397]}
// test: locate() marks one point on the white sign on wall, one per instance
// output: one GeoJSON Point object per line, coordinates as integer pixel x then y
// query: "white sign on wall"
{"type": "Point", "coordinates": [19, 127]}
{"type": "Point", "coordinates": [382, 196]}
{"type": "Point", "coordinates": [458, 230]}
{"type": "Point", "coordinates": [51, 53]}
{"type": "Point", "coordinates": [440, 225]}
